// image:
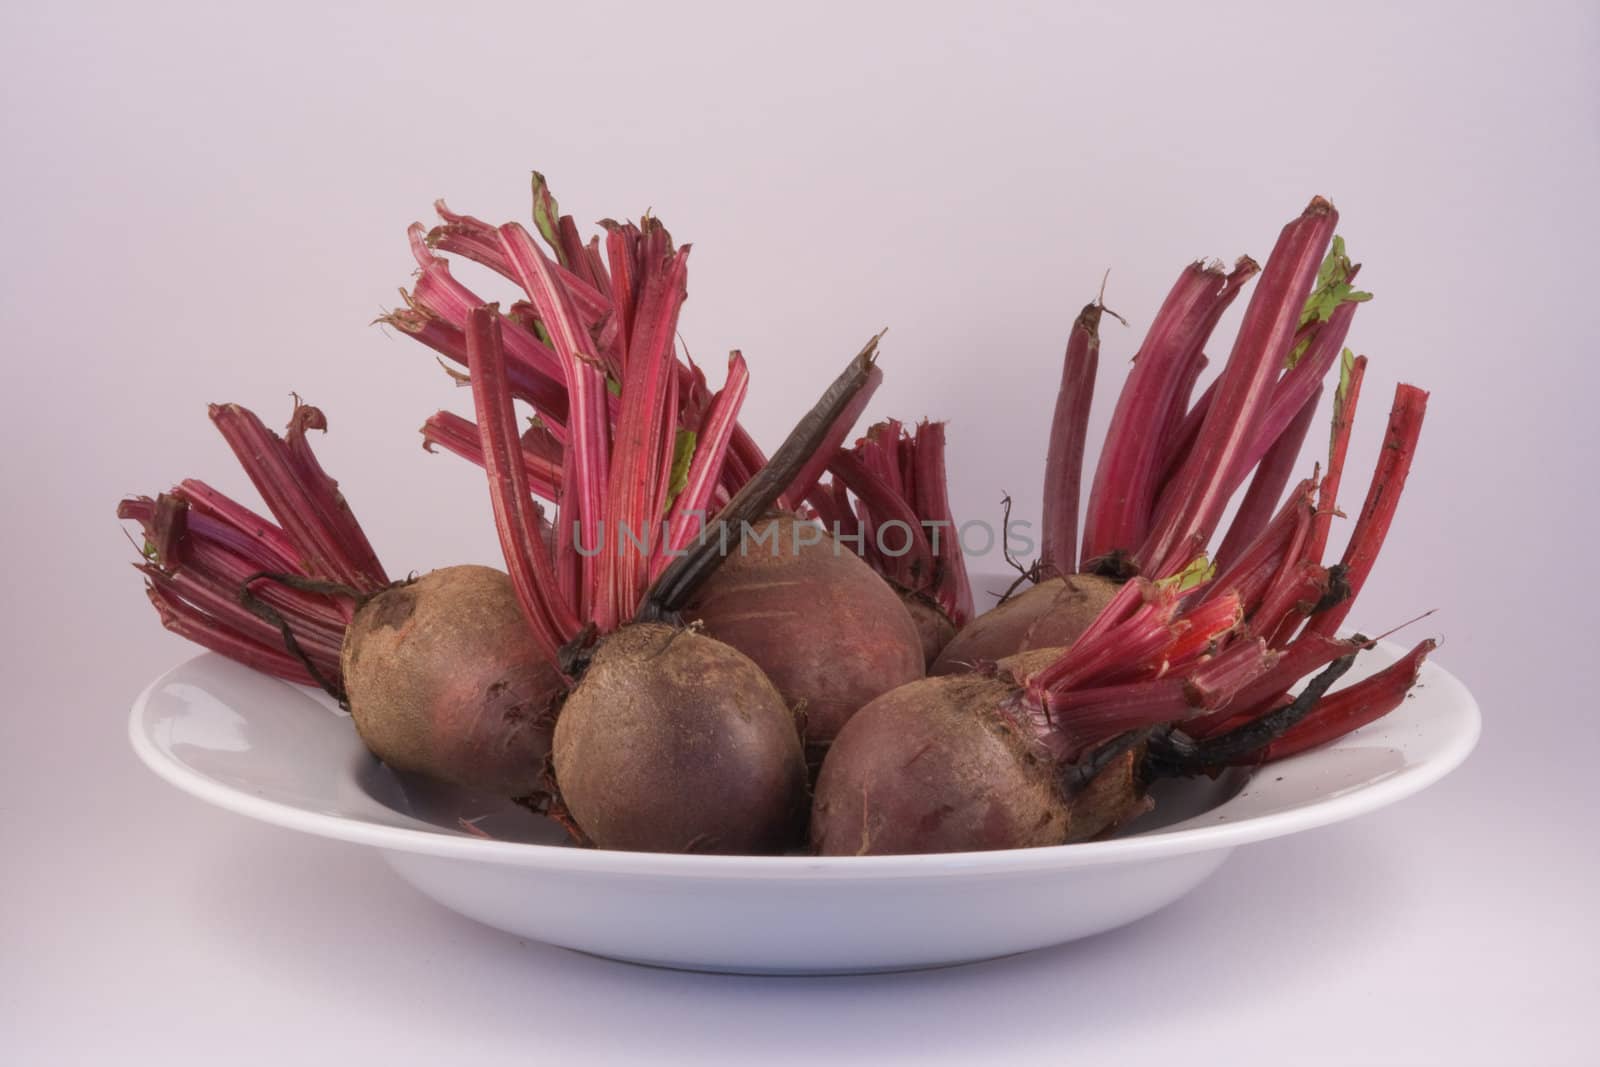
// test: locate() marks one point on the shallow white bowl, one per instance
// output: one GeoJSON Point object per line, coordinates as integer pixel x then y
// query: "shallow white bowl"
{"type": "Point", "coordinates": [285, 755]}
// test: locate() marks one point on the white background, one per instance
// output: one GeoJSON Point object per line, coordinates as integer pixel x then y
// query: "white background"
{"type": "Point", "coordinates": [209, 204]}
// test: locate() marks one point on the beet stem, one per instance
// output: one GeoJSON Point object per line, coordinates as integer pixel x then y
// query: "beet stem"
{"type": "Point", "coordinates": [589, 424]}
{"type": "Point", "coordinates": [1069, 428]}
{"type": "Point", "coordinates": [550, 616]}
{"type": "Point", "coordinates": [461, 437]}
{"type": "Point", "coordinates": [305, 501]}
{"type": "Point", "coordinates": [1124, 492]}
{"type": "Point", "coordinates": [1261, 499]}
{"type": "Point", "coordinates": [1349, 709]}
{"type": "Point", "coordinates": [1346, 397]}
{"type": "Point", "coordinates": [1383, 498]}
{"type": "Point", "coordinates": [714, 438]}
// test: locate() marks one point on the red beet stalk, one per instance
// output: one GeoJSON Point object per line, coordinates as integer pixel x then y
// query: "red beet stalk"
{"type": "Point", "coordinates": [899, 478]}
{"type": "Point", "coordinates": [1350, 708]}
{"type": "Point", "coordinates": [1069, 427]}
{"type": "Point", "coordinates": [1383, 498]}
{"type": "Point", "coordinates": [1196, 500]}
{"type": "Point", "coordinates": [1153, 397]}
{"type": "Point", "coordinates": [203, 550]}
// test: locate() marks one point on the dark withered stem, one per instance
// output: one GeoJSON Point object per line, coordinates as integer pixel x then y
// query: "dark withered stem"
{"type": "Point", "coordinates": [1177, 753]}
{"type": "Point", "coordinates": [1077, 777]}
{"type": "Point", "coordinates": [266, 612]}
{"type": "Point", "coordinates": [679, 582]}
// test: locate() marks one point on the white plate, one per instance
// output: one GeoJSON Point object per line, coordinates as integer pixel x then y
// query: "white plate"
{"type": "Point", "coordinates": [285, 755]}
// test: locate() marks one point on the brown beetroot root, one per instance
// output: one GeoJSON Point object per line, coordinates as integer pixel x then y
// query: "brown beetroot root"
{"type": "Point", "coordinates": [444, 679]}
{"type": "Point", "coordinates": [939, 766]}
{"type": "Point", "coordinates": [675, 742]}
{"type": "Point", "coordinates": [1052, 613]}
{"type": "Point", "coordinates": [972, 782]}
{"type": "Point", "coordinates": [827, 630]}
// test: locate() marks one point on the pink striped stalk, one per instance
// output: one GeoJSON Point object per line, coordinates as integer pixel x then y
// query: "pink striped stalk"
{"type": "Point", "coordinates": [551, 617]}
{"type": "Point", "coordinates": [589, 425]}
{"type": "Point", "coordinates": [1184, 525]}
{"type": "Point", "coordinates": [235, 556]}
{"type": "Point", "coordinates": [1069, 427]}
{"type": "Point", "coordinates": [1334, 714]}
{"type": "Point", "coordinates": [460, 437]}
{"type": "Point", "coordinates": [641, 463]}
{"type": "Point", "coordinates": [602, 286]}
{"type": "Point", "coordinates": [713, 437]}
{"type": "Point", "coordinates": [436, 292]}
{"type": "Point", "coordinates": [304, 500]}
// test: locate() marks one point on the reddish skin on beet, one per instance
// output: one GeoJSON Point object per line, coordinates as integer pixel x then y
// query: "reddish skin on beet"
{"type": "Point", "coordinates": [828, 631]}
{"type": "Point", "coordinates": [934, 628]}
{"type": "Point", "coordinates": [444, 679]}
{"type": "Point", "coordinates": [1050, 614]}
{"type": "Point", "coordinates": [959, 781]}
{"type": "Point", "coordinates": [674, 742]}
{"type": "Point", "coordinates": [958, 764]}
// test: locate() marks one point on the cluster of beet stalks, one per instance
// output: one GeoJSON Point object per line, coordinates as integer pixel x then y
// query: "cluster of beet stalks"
{"type": "Point", "coordinates": [702, 648]}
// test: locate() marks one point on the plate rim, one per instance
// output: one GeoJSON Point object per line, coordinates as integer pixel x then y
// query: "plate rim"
{"type": "Point", "coordinates": [561, 858]}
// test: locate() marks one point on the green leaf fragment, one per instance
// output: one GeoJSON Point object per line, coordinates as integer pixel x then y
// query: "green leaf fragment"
{"type": "Point", "coordinates": [1341, 395]}
{"type": "Point", "coordinates": [1333, 288]}
{"type": "Point", "coordinates": [1199, 571]}
{"type": "Point", "coordinates": [149, 551]}
{"type": "Point", "coordinates": [546, 213]}
{"type": "Point", "coordinates": [613, 386]}
{"type": "Point", "coordinates": [682, 456]}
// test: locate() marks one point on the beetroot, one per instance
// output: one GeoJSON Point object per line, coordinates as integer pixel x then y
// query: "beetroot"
{"type": "Point", "coordinates": [918, 771]}
{"type": "Point", "coordinates": [674, 742]}
{"type": "Point", "coordinates": [444, 679]}
{"type": "Point", "coordinates": [828, 631]}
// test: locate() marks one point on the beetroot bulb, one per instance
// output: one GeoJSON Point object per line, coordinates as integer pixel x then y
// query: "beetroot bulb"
{"type": "Point", "coordinates": [1189, 668]}
{"type": "Point", "coordinates": [439, 673]}
{"type": "Point", "coordinates": [1147, 464]}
